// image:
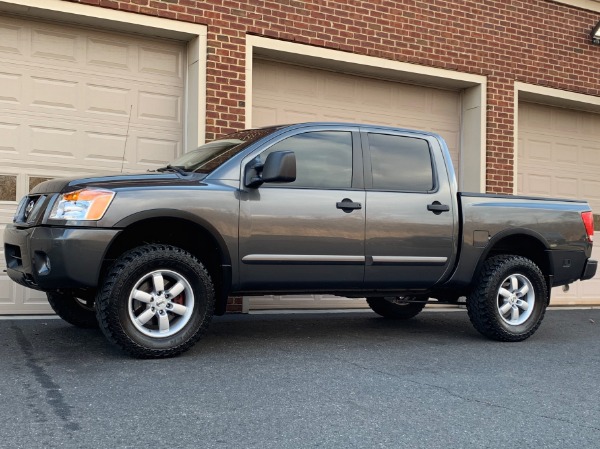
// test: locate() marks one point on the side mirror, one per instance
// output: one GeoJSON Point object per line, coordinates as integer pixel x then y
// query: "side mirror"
{"type": "Point", "coordinates": [280, 166]}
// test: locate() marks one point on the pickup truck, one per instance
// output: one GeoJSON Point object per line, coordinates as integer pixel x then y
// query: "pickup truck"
{"type": "Point", "coordinates": [343, 209]}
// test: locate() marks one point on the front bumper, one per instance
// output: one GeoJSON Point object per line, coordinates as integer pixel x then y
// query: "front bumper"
{"type": "Point", "coordinates": [50, 258]}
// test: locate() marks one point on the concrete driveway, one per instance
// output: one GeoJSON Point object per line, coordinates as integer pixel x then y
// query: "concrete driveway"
{"type": "Point", "coordinates": [307, 380]}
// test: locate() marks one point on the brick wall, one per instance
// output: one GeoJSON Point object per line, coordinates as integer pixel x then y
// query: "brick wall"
{"type": "Point", "coordinates": [536, 41]}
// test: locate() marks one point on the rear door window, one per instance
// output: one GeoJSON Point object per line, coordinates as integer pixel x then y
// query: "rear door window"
{"type": "Point", "coordinates": [400, 163]}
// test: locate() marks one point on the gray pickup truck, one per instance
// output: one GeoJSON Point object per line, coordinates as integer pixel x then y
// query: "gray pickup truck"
{"type": "Point", "coordinates": [350, 210]}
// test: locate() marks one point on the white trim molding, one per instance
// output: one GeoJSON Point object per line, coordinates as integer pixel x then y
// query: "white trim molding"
{"type": "Point", "coordinates": [193, 34]}
{"type": "Point", "coordinates": [473, 87]}
{"type": "Point", "coordinates": [591, 5]}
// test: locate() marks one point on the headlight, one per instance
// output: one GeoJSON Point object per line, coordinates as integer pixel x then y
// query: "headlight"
{"type": "Point", "coordinates": [85, 204]}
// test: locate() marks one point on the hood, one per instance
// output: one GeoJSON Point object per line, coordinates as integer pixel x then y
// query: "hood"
{"type": "Point", "coordinates": [144, 179]}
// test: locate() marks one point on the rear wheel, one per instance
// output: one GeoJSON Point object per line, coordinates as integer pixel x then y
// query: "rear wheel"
{"type": "Point", "coordinates": [156, 301]}
{"type": "Point", "coordinates": [397, 307]}
{"type": "Point", "coordinates": [76, 310]}
{"type": "Point", "coordinates": [509, 299]}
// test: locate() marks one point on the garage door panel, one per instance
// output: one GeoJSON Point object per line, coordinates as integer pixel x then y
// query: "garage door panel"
{"type": "Point", "coordinates": [108, 53]}
{"type": "Point", "coordinates": [8, 293]}
{"type": "Point", "coordinates": [35, 298]}
{"type": "Point", "coordinates": [111, 100]}
{"type": "Point", "coordinates": [589, 156]}
{"type": "Point", "coordinates": [163, 62]}
{"type": "Point", "coordinates": [339, 90]}
{"type": "Point", "coordinates": [567, 154]}
{"type": "Point", "coordinates": [374, 94]}
{"type": "Point", "coordinates": [155, 106]}
{"type": "Point", "coordinates": [10, 39]}
{"type": "Point", "coordinates": [539, 150]}
{"type": "Point", "coordinates": [589, 126]}
{"type": "Point", "coordinates": [9, 138]}
{"type": "Point", "coordinates": [54, 93]}
{"type": "Point", "coordinates": [564, 121]}
{"type": "Point", "coordinates": [410, 98]}
{"type": "Point", "coordinates": [590, 190]}
{"type": "Point", "coordinates": [10, 86]}
{"type": "Point", "coordinates": [566, 187]}
{"type": "Point", "coordinates": [157, 149]}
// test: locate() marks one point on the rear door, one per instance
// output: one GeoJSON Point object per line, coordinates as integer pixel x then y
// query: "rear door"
{"type": "Point", "coordinates": [307, 235]}
{"type": "Point", "coordinates": [410, 224]}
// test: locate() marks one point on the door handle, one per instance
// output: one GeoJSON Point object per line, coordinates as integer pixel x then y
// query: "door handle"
{"type": "Point", "coordinates": [437, 208]}
{"type": "Point", "coordinates": [347, 205]}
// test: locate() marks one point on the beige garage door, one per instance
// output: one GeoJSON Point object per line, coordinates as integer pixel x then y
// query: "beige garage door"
{"type": "Point", "coordinates": [283, 93]}
{"type": "Point", "coordinates": [75, 101]}
{"type": "Point", "coordinates": [559, 156]}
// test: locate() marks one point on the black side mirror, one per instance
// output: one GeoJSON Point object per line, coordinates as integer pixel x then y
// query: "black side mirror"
{"type": "Point", "coordinates": [280, 166]}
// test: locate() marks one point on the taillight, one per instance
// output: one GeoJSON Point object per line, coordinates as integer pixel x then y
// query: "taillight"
{"type": "Point", "coordinates": [588, 222]}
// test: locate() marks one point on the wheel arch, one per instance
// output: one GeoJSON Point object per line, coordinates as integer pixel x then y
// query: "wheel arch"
{"type": "Point", "coordinates": [181, 229]}
{"type": "Point", "coordinates": [520, 242]}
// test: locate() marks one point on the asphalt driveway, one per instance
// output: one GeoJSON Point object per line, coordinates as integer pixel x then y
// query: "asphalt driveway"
{"type": "Point", "coordinates": [307, 380]}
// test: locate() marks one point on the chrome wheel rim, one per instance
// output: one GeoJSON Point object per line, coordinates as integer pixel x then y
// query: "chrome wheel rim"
{"type": "Point", "coordinates": [516, 298]}
{"type": "Point", "coordinates": [161, 303]}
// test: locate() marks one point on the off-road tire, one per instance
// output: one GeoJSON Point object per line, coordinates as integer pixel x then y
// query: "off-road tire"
{"type": "Point", "coordinates": [395, 309]}
{"type": "Point", "coordinates": [114, 309]}
{"type": "Point", "coordinates": [77, 311]}
{"type": "Point", "coordinates": [488, 297]}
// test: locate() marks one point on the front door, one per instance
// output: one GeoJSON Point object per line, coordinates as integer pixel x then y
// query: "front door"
{"type": "Point", "coordinates": [410, 224]}
{"type": "Point", "coordinates": [308, 234]}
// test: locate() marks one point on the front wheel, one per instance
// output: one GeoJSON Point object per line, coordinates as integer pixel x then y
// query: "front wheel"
{"type": "Point", "coordinates": [509, 299]}
{"type": "Point", "coordinates": [397, 307]}
{"type": "Point", "coordinates": [77, 310]}
{"type": "Point", "coordinates": [156, 301]}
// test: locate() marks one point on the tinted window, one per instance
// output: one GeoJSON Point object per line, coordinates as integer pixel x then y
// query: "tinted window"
{"type": "Point", "coordinates": [400, 163]}
{"type": "Point", "coordinates": [323, 159]}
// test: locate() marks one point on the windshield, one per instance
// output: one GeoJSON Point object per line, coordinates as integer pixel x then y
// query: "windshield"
{"type": "Point", "coordinates": [209, 156]}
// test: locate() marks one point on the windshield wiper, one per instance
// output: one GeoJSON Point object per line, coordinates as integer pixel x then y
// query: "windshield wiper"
{"type": "Point", "coordinates": [170, 167]}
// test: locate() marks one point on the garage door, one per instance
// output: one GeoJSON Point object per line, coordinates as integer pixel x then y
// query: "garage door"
{"type": "Point", "coordinates": [75, 101]}
{"type": "Point", "coordinates": [283, 93]}
{"type": "Point", "coordinates": [559, 156]}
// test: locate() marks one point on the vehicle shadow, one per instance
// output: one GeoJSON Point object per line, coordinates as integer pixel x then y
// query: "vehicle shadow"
{"type": "Point", "coordinates": [235, 333]}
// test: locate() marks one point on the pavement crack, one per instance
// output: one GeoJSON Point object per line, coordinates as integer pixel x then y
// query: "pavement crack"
{"type": "Point", "coordinates": [54, 396]}
{"type": "Point", "coordinates": [461, 397]}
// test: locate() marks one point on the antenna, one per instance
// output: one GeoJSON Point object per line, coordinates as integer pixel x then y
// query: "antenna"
{"type": "Point", "coordinates": [126, 137]}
